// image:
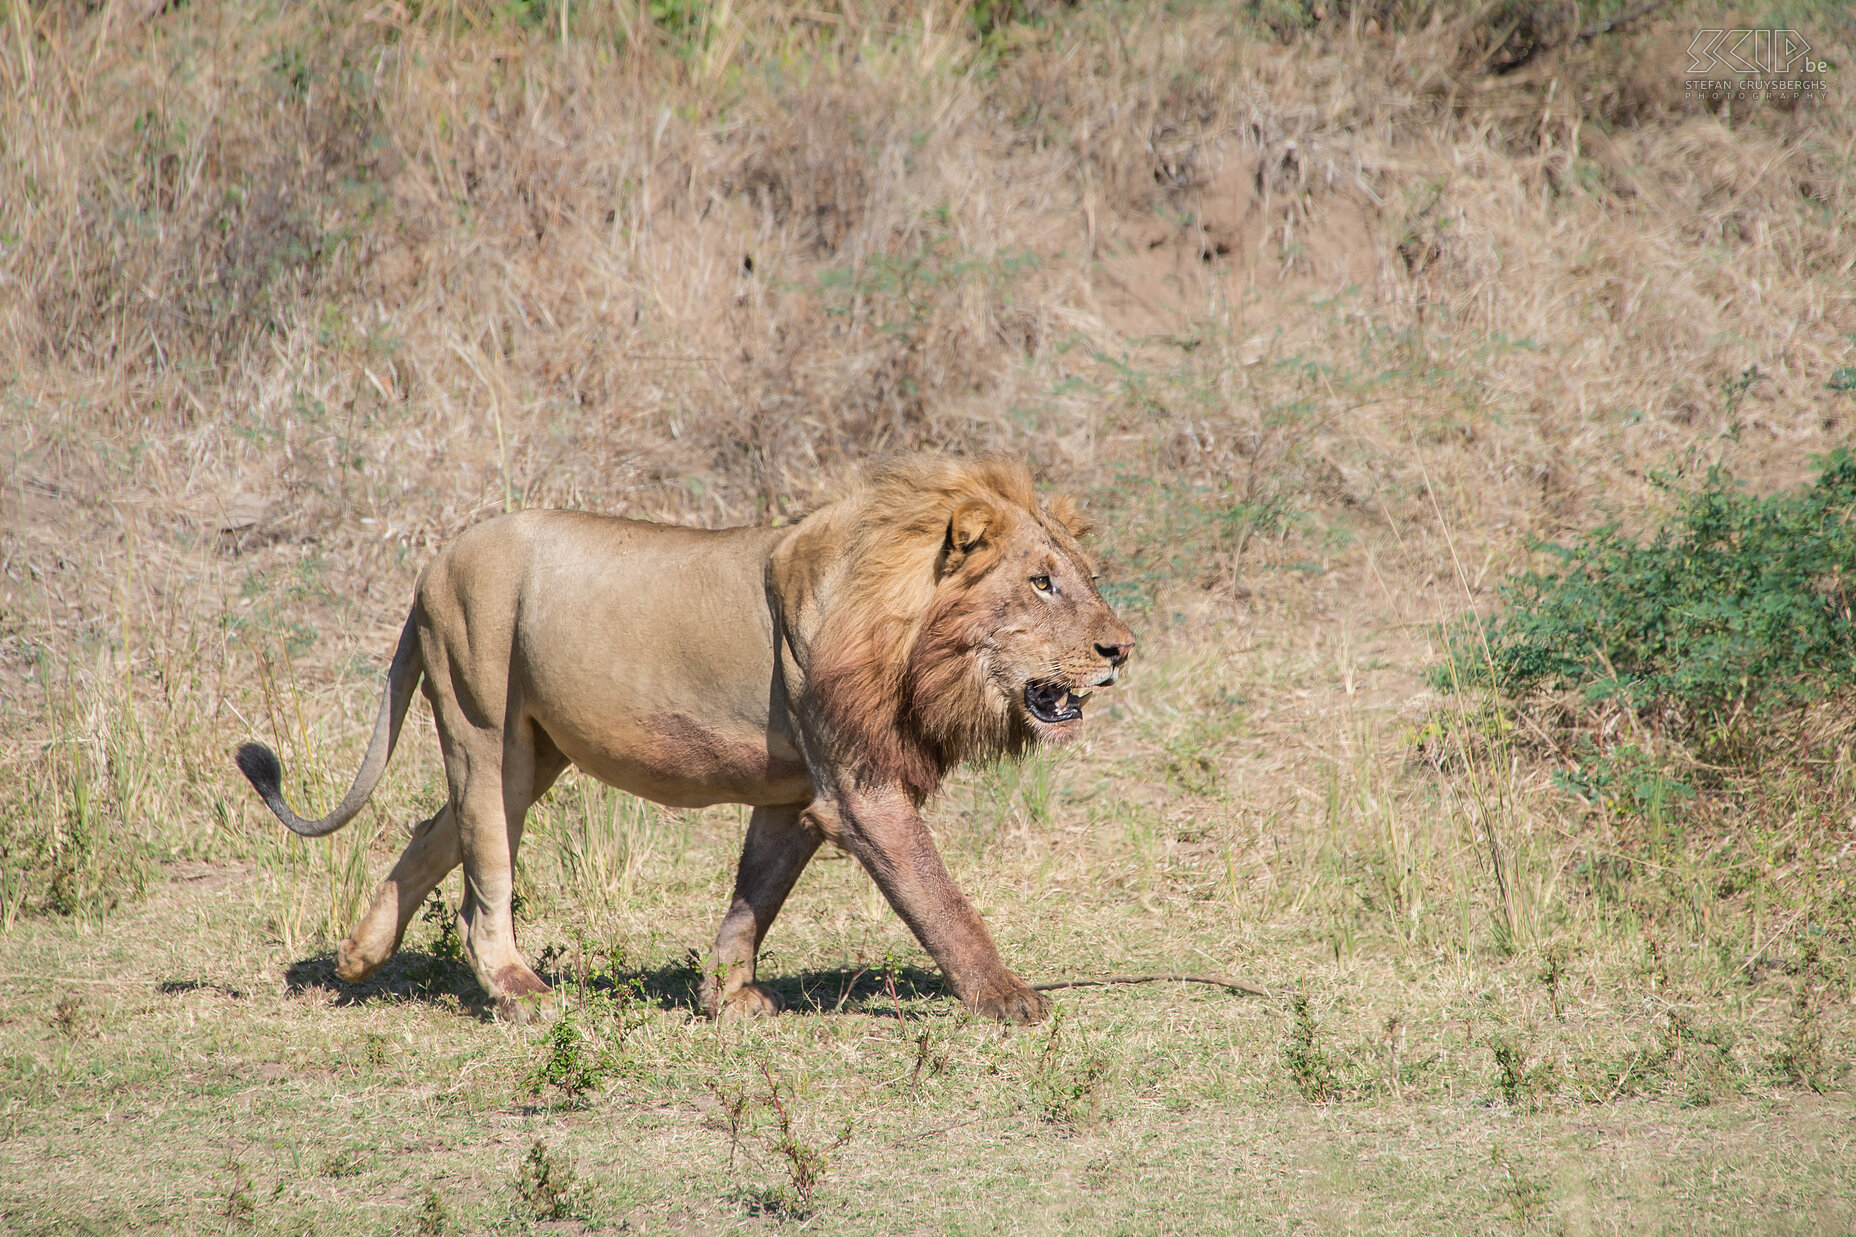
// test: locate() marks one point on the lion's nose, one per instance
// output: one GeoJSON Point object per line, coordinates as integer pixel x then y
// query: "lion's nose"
{"type": "Point", "coordinates": [1116, 653]}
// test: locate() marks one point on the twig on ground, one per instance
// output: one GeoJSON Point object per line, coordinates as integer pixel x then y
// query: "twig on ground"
{"type": "Point", "coordinates": [1216, 981]}
{"type": "Point", "coordinates": [1623, 19]}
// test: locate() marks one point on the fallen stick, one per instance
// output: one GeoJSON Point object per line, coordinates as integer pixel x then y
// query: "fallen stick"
{"type": "Point", "coordinates": [1216, 981]}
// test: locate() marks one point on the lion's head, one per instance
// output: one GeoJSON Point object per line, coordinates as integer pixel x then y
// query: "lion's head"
{"type": "Point", "coordinates": [963, 621]}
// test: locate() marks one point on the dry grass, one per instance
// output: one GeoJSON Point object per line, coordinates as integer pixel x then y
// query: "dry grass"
{"type": "Point", "coordinates": [1327, 328]}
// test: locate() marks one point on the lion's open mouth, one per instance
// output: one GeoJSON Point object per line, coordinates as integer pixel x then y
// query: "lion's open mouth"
{"type": "Point", "coordinates": [1054, 702]}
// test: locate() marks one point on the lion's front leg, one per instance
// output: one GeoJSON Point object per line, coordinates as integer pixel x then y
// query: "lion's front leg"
{"type": "Point", "coordinates": [779, 845]}
{"type": "Point", "coordinates": [887, 835]}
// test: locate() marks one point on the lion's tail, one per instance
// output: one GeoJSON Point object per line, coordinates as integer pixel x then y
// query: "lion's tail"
{"type": "Point", "coordinates": [259, 763]}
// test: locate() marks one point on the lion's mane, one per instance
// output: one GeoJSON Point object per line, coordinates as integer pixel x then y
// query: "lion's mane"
{"type": "Point", "coordinates": [897, 667]}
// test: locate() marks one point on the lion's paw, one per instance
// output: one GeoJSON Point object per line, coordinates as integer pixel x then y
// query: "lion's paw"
{"type": "Point", "coordinates": [524, 995]}
{"type": "Point", "coordinates": [354, 963]}
{"type": "Point", "coordinates": [1020, 1005]}
{"type": "Point", "coordinates": [527, 1009]}
{"type": "Point", "coordinates": [750, 1001]}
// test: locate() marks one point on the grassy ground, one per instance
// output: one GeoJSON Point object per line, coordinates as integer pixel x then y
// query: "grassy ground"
{"type": "Point", "coordinates": [1330, 313]}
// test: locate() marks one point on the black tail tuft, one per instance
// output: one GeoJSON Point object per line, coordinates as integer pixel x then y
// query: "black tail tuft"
{"type": "Point", "coordinates": [259, 764]}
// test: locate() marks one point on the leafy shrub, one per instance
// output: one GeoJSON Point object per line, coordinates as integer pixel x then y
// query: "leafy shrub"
{"type": "Point", "coordinates": [1738, 605]}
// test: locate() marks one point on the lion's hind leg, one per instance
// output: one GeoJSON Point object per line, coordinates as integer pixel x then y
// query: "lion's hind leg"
{"type": "Point", "coordinates": [433, 852]}
{"type": "Point", "coordinates": [493, 788]}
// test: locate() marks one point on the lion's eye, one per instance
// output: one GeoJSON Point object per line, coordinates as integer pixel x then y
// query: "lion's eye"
{"type": "Point", "coordinates": [1041, 583]}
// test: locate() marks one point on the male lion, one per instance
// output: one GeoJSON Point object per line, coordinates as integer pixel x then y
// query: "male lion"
{"type": "Point", "coordinates": [828, 674]}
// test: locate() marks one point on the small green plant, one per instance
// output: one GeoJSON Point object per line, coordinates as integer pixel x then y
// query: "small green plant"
{"type": "Point", "coordinates": [547, 1183]}
{"type": "Point", "coordinates": [991, 18]}
{"type": "Point", "coordinates": [432, 1219]}
{"type": "Point", "coordinates": [445, 963]}
{"type": "Point", "coordinates": [611, 1003]}
{"type": "Point", "coordinates": [1519, 1085]}
{"type": "Point", "coordinates": [570, 1064]}
{"type": "Point", "coordinates": [1192, 761]}
{"type": "Point", "coordinates": [1626, 777]}
{"type": "Point", "coordinates": [734, 1104]}
{"type": "Point", "coordinates": [1694, 1062]}
{"type": "Point", "coordinates": [240, 1205]}
{"type": "Point", "coordinates": [1801, 1059]}
{"type": "Point", "coordinates": [1733, 392]}
{"type": "Point", "coordinates": [348, 1162]}
{"type": "Point", "coordinates": [683, 22]}
{"type": "Point", "coordinates": [1525, 1194]}
{"type": "Point", "coordinates": [927, 1059]}
{"type": "Point", "coordinates": [375, 1049]}
{"type": "Point", "coordinates": [70, 1017]}
{"type": "Point", "coordinates": [1308, 1063]}
{"type": "Point", "coordinates": [1552, 977]}
{"type": "Point", "coordinates": [806, 1163]}
{"type": "Point", "coordinates": [1068, 1095]}
{"type": "Point", "coordinates": [891, 970]}
{"type": "Point", "coordinates": [446, 945]}
{"type": "Point", "coordinates": [1284, 18]}
{"type": "Point", "coordinates": [1706, 1057]}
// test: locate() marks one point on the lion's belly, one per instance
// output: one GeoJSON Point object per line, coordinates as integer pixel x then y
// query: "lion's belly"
{"type": "Point", "coordinates": [678, 760]}
{"type": "Point", "coordinates": [647, 655]}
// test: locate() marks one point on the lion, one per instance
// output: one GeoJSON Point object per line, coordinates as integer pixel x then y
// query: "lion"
{"type": "Point", "coordinates": [828, 674]}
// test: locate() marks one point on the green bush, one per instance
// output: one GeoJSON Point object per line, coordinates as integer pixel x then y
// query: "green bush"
{"type": "Point", "coordinates": [1736, 606]}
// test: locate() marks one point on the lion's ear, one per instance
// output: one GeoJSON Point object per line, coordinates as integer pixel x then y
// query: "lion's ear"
{"type": "Point", "coordinates": [966, 532]}
{"type": "Point", "coordinates": [1063, 509]}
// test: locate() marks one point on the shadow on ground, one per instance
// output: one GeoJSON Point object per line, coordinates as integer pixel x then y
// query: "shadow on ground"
{"type": "Point", "coordinates": [868, 991]}
{"type": "Point", "coordinates": [411, 975]}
